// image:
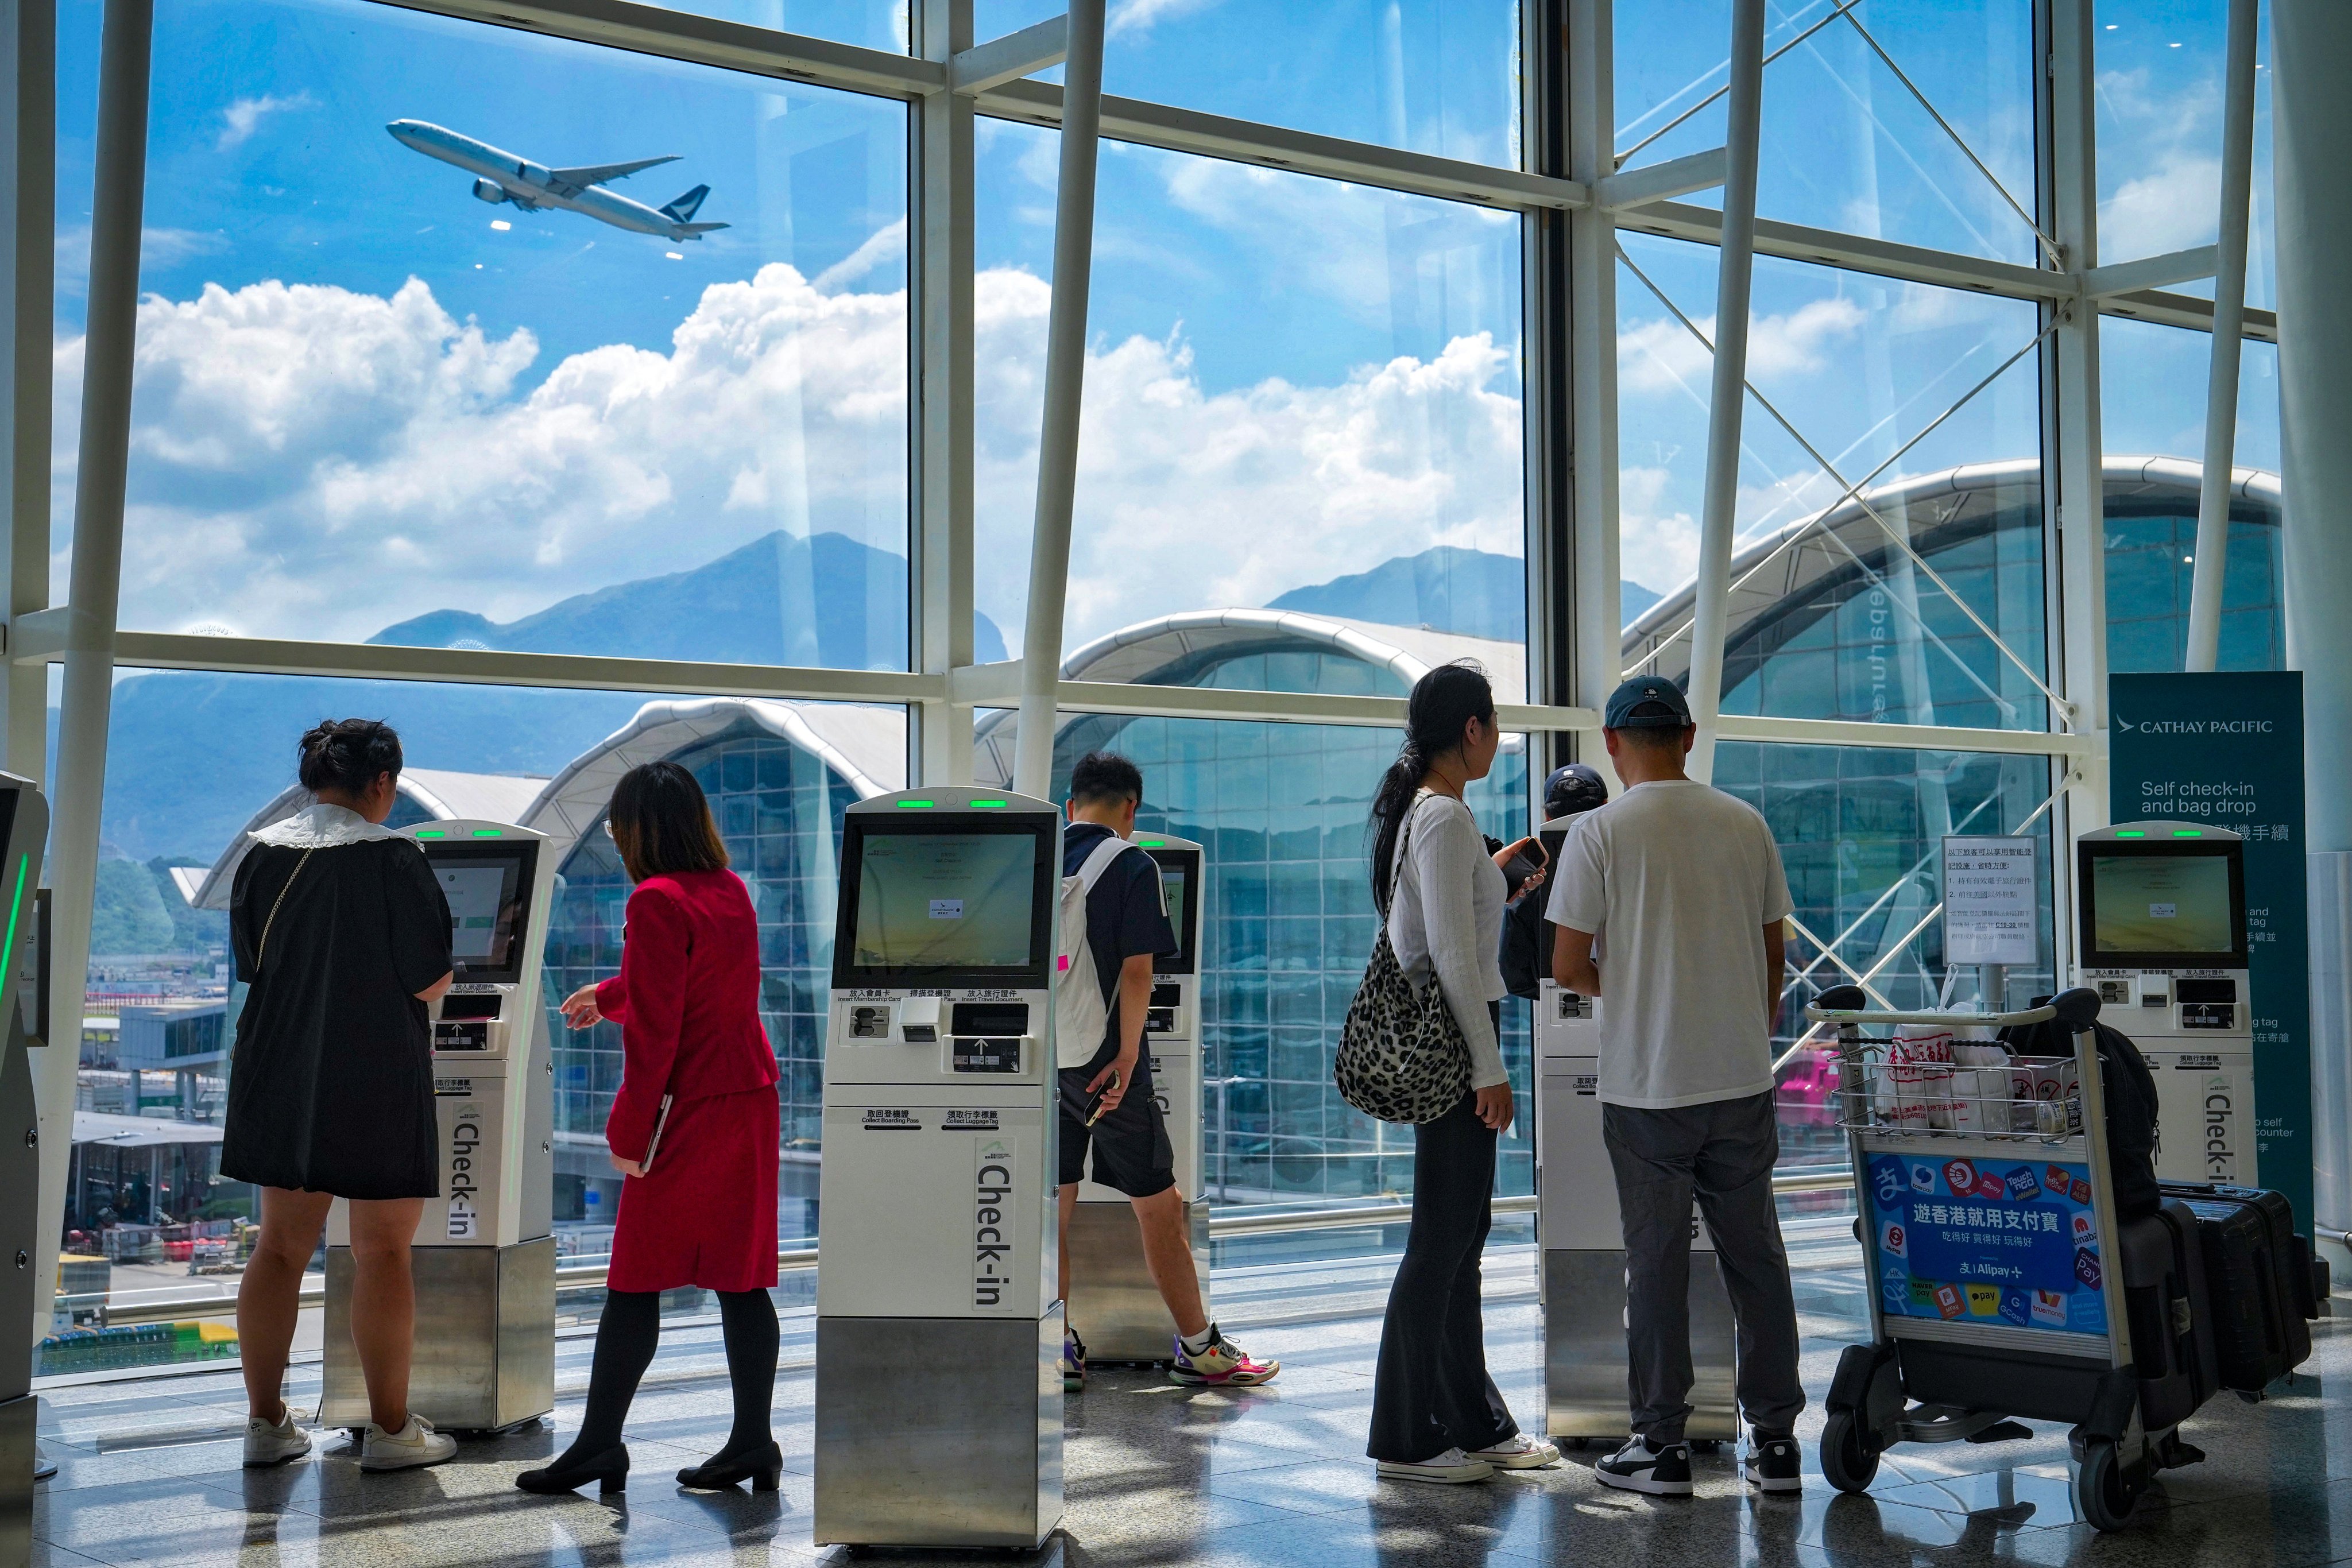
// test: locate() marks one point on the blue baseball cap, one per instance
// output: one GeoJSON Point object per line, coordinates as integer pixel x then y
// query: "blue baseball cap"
{"type": "Point", "coordinates": [1647, 702]}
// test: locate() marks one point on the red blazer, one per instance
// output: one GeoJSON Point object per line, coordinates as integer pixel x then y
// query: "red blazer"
{"type": "Point", "coordinates": [687, 1000]}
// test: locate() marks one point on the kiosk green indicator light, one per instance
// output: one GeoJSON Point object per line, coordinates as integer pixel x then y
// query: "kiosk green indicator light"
{"type": "Point", "coordinates": [914, 805]}
{"type": "Point", "coordinates": [987, 803]}
{"type": "Point", "coordinates": [490, 832]}
{"type": "Point", "coordinates": [431, 833]}
{"type": "Point", "coordinates": [2188, 832]}
{"type": "Point", "coordinates": [1153, 843]}
{"type": "Point", "coordinates": [2129, 833]}
{"type": "Point", "coordinates": [16, 903]}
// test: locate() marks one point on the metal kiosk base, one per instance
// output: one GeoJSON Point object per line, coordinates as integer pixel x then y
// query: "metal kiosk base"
{"type": "Point", "coordinates": [485, 1338]}
{"type": "Point", "coordinates": [1584, 1349]}
{"type": "Point", "coordinates": [975, 1395]}
{"type": "Point", "coordinates": [1113, 1301]}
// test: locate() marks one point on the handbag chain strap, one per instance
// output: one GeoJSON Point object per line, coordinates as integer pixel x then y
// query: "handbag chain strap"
{"type": "Point", "coordinates": [262, 948]}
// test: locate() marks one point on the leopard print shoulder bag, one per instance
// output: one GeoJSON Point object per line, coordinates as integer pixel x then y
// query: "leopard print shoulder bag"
{"type": "Point", "coordinates": [1401, 1056]}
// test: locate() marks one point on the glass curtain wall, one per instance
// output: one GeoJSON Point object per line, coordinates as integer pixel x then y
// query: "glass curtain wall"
{"type": "Point", "coordinates": [646, 406]}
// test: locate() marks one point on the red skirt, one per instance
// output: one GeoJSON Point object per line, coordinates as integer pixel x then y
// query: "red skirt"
{"type": "Point", "coordinates": [706, 1214]}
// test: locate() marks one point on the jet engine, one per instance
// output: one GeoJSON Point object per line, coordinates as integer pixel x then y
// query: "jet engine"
{"type": "Point", "coordinates": [491, 191]}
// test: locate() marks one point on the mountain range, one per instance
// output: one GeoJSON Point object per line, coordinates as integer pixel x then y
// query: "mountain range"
{"type": "Point", "coordinates": [191, 755]}
{"type": "Point", "coordinates": [1448, 589]}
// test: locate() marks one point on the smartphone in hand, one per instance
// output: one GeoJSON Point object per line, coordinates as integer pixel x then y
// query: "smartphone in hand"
{"type": "Point", "coordinates": [1523, 865]}
{"type": "Point", "coordinates": [1095, 1102]}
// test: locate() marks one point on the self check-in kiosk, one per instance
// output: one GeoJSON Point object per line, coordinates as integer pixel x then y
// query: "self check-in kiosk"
{"type": "Point", "coordinates": [1577, 1224]}
{"type": "Point", "coordinates": [484, 1256]}
{"type": "Point", "coordinates": [1113, 1302]}
{"type": "Point", "coordinates": [2163, 940]}
{"type": "Point", "coordinates": [23, 829]}
{"type": "Point", "coordinates": [939, 1385]}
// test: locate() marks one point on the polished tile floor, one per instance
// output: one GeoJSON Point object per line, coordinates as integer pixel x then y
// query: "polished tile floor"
{"type": "Point", "coordinates": [1163, 1475]}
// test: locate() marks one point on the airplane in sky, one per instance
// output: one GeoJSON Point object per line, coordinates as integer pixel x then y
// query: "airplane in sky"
{"type": "Point", "coordinates": [503, 177]}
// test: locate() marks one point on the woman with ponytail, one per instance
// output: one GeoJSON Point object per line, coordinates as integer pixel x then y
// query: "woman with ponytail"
{"type": "Point", "coordinates": [1436, 1416]}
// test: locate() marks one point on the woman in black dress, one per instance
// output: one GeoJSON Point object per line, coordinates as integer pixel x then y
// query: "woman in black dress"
{"type": "Point", "coordinates": [343, 935]}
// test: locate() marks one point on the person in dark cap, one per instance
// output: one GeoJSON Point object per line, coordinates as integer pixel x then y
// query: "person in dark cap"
{"type": "Point", "coordinates": [1669, 905]}
{"type": "Point", "coordinates": [1572, 791]}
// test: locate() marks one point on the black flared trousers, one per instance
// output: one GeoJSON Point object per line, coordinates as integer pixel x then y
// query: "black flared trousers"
{"type": "Point", "coordinates": [1432, 1392]}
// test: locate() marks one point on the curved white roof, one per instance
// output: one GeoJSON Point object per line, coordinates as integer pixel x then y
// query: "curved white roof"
{"type": "Point", "coordinates": [1135, 653]}
{"type": "Point", "coordinates": [866, 745]}
{"type": "Point", "coordinates": [1776, 567]}
{"type": "Point", "coordinates": [485, 797]}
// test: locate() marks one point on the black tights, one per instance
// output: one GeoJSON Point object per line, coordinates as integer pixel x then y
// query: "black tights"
{"type": "Point", "coordinates": [625, 1336]}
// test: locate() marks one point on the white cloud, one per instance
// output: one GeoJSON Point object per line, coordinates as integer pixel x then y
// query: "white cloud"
{"type": "Point", "coordinates": [1657, 545]}
{"type": "Point", "coordinates": [2158, 154]}
{"type": "Point", "coordinates": [884, 246]}
{"type": "Point", "coordinates": [311, 461]}
{"type": "Point", "coordinates": [241, 118]}
{"type": "Point", "coordinates": [1661, 354]}
{"type": "Point", "coordinates": [2175, 206]}
{"type": "Point", "coordinates": [1140, 15]}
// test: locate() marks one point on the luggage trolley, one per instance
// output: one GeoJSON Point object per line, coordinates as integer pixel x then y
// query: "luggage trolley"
{"type": "Point", "coordinates": [1999, 1277]}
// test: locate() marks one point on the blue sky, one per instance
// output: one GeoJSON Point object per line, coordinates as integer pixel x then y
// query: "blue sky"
{"type": "Point", "coordinates": [1294, 378]}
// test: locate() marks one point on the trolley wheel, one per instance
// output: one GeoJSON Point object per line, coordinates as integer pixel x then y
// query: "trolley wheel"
{"type": "Point", "coordinates": [1846, 1463]}
{"type": "Point", "coordinates": [2102, 1494]}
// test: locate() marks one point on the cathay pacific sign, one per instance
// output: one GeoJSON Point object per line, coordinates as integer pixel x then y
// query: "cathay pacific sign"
{"type": "Point", "coordinates": [2196, 726]}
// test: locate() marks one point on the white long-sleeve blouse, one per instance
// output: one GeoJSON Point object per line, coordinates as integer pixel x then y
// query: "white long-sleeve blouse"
{"type": "Point", "coordinates": [1445, 918]}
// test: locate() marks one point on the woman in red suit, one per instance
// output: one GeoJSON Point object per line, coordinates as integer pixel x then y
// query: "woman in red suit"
{"type": "Point", "coordinates": [693, 1132]}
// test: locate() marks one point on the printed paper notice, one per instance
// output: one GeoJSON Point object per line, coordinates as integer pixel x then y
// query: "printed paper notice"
{"type": "Point", "coordinates": [1992, 907]}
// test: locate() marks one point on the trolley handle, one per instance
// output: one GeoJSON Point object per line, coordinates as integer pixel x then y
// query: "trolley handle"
{"type": "Point", "coordinates": [1841, 1016]}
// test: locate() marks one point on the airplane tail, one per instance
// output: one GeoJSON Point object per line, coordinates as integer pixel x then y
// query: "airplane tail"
{"type": "Point", "coordinates": [683, 209]}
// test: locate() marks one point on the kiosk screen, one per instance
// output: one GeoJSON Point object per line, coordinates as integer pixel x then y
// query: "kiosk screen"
{"type": "Point", "coordinates": [942, 903]}
{"type": "Point", "coordinates": [2170, 909]}
{"type": "Point", "coordinates": [488, 890]}
{"type": "Point", "coordinates": [1180, 883]}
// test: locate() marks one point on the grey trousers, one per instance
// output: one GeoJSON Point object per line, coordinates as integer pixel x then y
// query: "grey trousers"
{"type": "Point", "coordinates": [1723, 1153]}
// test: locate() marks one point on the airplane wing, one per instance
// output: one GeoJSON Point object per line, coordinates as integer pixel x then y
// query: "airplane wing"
{"type": "Point", "coordinates": [600, 173]}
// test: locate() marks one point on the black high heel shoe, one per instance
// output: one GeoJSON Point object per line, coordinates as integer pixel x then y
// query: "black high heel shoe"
{"type": "Point", "coordinates": [610, 1470]}
{"type": "Point", "coordinates": [762, 1467]}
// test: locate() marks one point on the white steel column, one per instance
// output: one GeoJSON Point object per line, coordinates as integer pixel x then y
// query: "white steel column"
{"type": "Point", "coordinates": [117, 206]}
{"type": "Point", "coordinates": [1065, 370]}
{"type": "Point", "coordinates": [28, 48]}
{"type": "Point", "coordinates": [939, 256]}
{"type": "Point", "coordinates": [2229, 347]}
{"type": "Point", "coordinates": [28, 271]}
{"type": "Point", "coordinates": [2311, 53]}
{"type": "Point", "coordinates": [1728, 400]}
{"type": "Point", "coordinates": [2079, 492]}
{"type": "Point", "coordinates": [1592, 353]}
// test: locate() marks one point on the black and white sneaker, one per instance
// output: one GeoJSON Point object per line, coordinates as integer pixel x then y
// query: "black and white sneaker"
{"type": "Point", "coordinates": [1637, 1467]}
{"type": "Point", "coordinates": [1772, 1466]}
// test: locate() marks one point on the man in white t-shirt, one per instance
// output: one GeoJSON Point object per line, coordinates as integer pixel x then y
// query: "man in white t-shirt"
{"type": "Point", "coordinates": [1669, 902]}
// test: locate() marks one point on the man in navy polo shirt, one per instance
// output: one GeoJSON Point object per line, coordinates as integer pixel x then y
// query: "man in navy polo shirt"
{"type": "Point", "coordinates": [1126, 930]}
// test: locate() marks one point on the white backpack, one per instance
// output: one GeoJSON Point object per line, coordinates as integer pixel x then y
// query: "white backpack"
{"type": "Point", "coordinates": [1080, 1014]}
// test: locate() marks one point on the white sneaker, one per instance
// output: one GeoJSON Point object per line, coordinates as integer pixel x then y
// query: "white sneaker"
{"type": "Point", "coordinates": [413, 1445]}
{"type": "Point", "coordinates": [1518, 1452]}
{"type": "Point", "coordinates": [266, 1444]}
{"type": "Point", "coordinates": [1451, 1466]}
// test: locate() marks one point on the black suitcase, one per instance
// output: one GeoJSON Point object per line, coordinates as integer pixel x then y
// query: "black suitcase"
{"type": "Point", "coordinates": [2258, 1280]}
{"type": "Point", "coordinates": [2166, 1303]}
